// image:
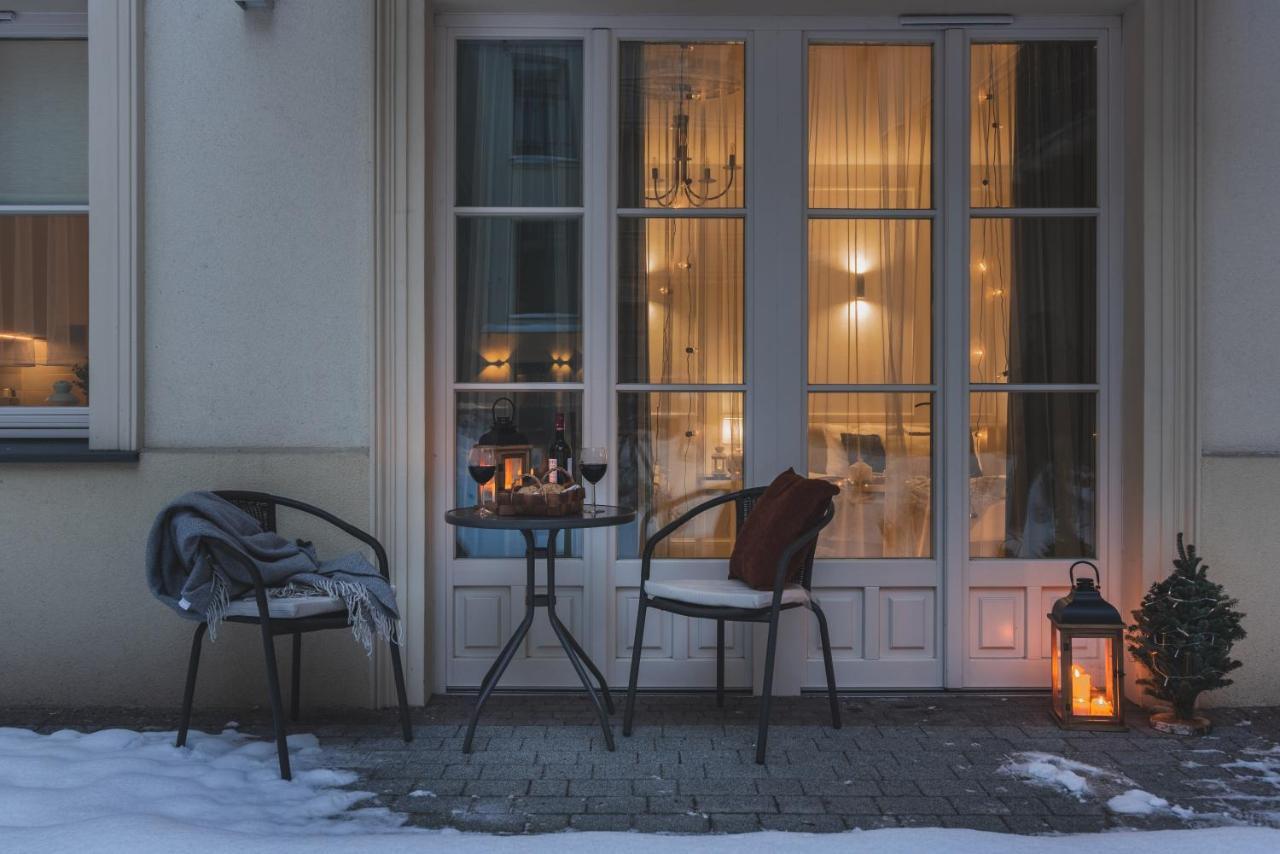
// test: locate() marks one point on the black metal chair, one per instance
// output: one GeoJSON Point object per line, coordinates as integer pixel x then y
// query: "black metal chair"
{"type": "Point", "coordinates": [700, 599]}
{"type": "Point", "coordinates": [262, 507]}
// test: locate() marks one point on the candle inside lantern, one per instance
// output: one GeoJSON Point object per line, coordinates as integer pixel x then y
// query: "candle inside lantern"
{"type": "Point", "coordinates": [1081, 690]}
{"type": "Point", "coordinates": [1100, 706]}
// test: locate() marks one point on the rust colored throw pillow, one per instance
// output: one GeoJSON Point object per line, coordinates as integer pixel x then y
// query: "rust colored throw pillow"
{"type": "Point", "coordinates": [789, 507]}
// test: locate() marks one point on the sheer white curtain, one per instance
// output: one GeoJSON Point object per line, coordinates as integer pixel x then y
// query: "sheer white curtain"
{"type": "Point", "coordinates": [870, 281]}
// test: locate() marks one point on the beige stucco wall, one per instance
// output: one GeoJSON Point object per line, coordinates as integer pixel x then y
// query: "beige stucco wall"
{"type": "Point", "coordinates": [1239, 188]}
{"type": "Point", "coordinates": [256, 355]}
{"type": "Point", "coordinates": [80, 626]}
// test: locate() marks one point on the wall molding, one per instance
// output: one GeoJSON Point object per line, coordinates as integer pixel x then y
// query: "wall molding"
{"type": "Point", "coordinates": [115, 222]}
{"type": "Point", "coordinates": [1170, 404]}
{"type": "Point", "coordinates": [398, 441]}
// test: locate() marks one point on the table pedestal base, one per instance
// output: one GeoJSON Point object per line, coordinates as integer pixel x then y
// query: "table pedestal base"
{"type": "Point", "coordinates": [577, 656]}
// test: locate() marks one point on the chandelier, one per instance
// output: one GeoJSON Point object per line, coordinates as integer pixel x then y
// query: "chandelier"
{"type": "Point", "coordinates": [693, 82]}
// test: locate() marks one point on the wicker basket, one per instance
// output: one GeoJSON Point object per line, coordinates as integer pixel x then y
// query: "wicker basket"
{"type": "Point", "coordinates": [516, 503]}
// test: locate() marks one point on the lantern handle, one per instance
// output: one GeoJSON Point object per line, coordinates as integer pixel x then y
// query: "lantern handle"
{"type": "Point", "coordinates": [1071, 573]}
{"type": "Point", "coordinates": [493, 410]}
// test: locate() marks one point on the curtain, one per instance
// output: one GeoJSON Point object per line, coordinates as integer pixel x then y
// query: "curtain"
{"type": "Point", "coordinates": [44, 289]}
{"type": "Point", "coordinates": [870, 282]}
{"type": "Point", "coordinates": [1052, 304]}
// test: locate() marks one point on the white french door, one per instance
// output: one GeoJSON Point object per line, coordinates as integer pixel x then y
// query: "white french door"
{"type": "Point", "coordinates": [879, 255]}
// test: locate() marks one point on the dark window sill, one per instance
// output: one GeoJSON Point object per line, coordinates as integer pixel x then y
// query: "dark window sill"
{"type": "Point", "coordinates": [59, 451]}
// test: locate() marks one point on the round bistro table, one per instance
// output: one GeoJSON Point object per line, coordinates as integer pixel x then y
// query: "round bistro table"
{"type": "Point", "coordinates": [602, 517]}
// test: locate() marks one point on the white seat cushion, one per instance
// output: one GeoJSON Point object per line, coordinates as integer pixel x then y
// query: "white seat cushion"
{"type": "Point", "coordinates": [287, 607]}
{"type": "Point", "coordinates": [725, 592]}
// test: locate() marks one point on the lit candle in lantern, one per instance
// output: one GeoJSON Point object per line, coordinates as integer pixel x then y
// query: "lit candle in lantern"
{"type": "Point", "coordinates": [1100, 706]}
{"type": "Point", "coordinates": [1081, 690]}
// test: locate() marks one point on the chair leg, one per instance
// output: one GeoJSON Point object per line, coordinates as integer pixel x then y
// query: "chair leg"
{"type": "Point", "coordinates": [189, 693]}
{"type": "Point", "coordinates": [295, 692]}
{"type": "Point", "coordinates": [635, 667]}
{"type": "Point", "coordinates": [826, 660]}
{"type": "Point", "coordinates": [405, 724]}
{"type": "Point", "coordinates": [277, 708]}
{"type": "Point", "coordinates": [720, 663]}
{"type": "Point", "coordinates": [762, 735]}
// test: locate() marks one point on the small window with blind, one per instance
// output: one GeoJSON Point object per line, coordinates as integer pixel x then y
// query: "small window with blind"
{"type": "Point", "coordinates": [44, 237]}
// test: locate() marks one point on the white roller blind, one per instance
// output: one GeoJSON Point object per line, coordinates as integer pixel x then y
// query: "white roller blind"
{"type": "Point", "coordinates": [44, 122]}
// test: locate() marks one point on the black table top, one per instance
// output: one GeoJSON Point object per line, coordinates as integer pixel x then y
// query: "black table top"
{"type": "Point", "coordinates": [469, 517]}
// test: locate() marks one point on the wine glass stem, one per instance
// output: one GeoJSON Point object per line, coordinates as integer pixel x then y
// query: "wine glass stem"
{"type": "Point", "coordinates": [595, 501]}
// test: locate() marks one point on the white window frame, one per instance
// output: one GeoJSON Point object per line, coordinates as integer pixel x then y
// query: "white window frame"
{"type": "Point", "coordinates": [113, 31]}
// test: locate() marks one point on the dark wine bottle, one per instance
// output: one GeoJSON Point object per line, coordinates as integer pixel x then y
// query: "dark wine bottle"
{"type": "Point", "coordinates": [559, 455]}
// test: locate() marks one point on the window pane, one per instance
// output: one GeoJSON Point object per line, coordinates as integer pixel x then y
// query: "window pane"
{"type": "Point", "coordinates": [519, 300]}
{"type": "Point", "coordinates": [676, 449]}
{"type": "Point", "coordinates": [682, 113]}
{"type": "Point", "coordinates": [869, 301]}
{"type": "Point", "coordinates": [535, 418]}
{"type": "Point", "coordinates": [519, 114]}
{"type": "Point", "coordinates": [1033, 301]}
{"type": "Point", "coordinates": [870, 126]}
{"type": "Point", "coordinates": [878, 449]}
{"type": "Point", "coordinates": [44, 122]}
{"type": "Point", "coordinates": [680, 301]}
{"type": "Point", "coordinates": [1034, 125]}
{"type": "Point", "coordinates": [1032, 490]}
{"type": "Point", "coordinates": [44, 310]}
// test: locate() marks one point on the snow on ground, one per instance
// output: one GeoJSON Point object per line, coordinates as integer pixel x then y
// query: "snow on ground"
{"type": "Point", "coordinates": [124, 791]}
{"type": "Point", "coordinates": [1083, 781]}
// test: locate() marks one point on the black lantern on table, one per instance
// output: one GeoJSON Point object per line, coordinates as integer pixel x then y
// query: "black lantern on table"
{"type": "Point", "coordinates": [1088, 656]}
{"type": "Point", "coordinates": [512, 451]}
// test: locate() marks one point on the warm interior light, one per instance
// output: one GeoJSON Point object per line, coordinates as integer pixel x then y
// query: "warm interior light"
{"type": "Point", "coordinates": [731, 430]}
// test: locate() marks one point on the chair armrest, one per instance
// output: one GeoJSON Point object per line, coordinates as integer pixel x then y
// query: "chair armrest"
{"type": "Point", "coordinates": [670, 528]}
{"type": "Point", "coordinates": [343, 525]}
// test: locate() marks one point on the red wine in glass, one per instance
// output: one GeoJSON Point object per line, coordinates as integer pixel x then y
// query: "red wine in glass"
{"type": "Point", "coordinates": [593, 463]}
{"type": "Point", "coordinates": [482, 463]}
{"type": "Point", "coordinates": [482, 474]}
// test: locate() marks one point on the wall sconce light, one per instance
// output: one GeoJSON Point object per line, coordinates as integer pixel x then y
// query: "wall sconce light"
{"type": "Point", "coordinates": [255, 4]}
{"type": "Point", "coordinates": [859, 286]}
{"type": "Point", "coordinates": [495, 363]}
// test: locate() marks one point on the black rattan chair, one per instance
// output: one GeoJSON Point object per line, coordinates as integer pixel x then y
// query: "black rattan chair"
{"type": "Point", "coordinates": [262, 506]}
{"type": "Point", "coordinates": [705, 600]}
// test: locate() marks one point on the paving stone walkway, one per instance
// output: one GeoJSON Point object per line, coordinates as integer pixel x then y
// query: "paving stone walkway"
{"type": "Point", "coordinates": [540, 764]}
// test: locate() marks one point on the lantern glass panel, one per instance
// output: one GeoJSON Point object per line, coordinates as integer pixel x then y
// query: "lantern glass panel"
{"type": "Point", "coordinates": [1055, 670]}
{"type": "Point", "coordinates": [535, 418]}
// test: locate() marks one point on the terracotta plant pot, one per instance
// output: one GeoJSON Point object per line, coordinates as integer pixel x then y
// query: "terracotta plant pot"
{"type": "Point", "coordinates": [1167, 722]}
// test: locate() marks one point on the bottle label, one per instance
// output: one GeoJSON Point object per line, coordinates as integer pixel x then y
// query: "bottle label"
{"type": "Point", "coordinates": [553, 473]}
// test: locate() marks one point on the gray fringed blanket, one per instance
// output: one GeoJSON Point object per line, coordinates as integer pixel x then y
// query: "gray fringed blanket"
{"type": "Point", "coordinates": [200, 550]}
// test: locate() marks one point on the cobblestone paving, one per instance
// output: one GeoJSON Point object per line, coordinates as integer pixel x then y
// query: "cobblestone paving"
{"type": "Point", "coordinates": [540, 764]}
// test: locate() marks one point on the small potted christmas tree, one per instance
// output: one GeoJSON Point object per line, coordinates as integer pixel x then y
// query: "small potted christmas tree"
{"type": "Point", "coordinates": [1183, 634]}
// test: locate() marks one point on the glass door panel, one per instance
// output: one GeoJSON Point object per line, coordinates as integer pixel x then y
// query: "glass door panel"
{"type": "Point", "coordinates": [675, 450]}
{"type": "Point", "coordinates": [878, 448]}
{"type": "Point", "coordinates": [519, 124]}
{"type": "Point", "coordinates": [519, 300]}
{"type": "Point", "coordinates": [1034, 124]}
{"type": "Point", "coordinates": [682, 125]}
{"type": "Point", "coordinates": [680, 300]}
{"type": "Point", "coordinates": [1033, 309]}
{"type": "Point", "coordinates": [1033, 476]}
{"type": "Point", "coordinates": [870, 301]}
{"type": "Point", "coordinates": [681, 290]}
{"type": "Point", "coordinates": [870, 126]}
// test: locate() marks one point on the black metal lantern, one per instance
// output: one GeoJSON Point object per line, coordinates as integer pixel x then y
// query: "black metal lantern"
{"type": "Point", "coordinates": [512, 451]}
{"type": "Point", "coordinates": [1088, 656]}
